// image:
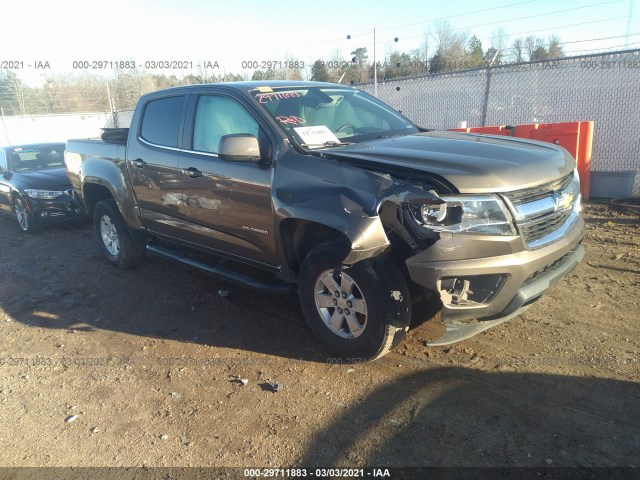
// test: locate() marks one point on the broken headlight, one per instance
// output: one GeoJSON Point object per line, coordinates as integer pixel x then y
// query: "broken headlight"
{"type": "Point", "coordinates": [43, 194]}
{"type": "Point", "coordinates": [477, 214]}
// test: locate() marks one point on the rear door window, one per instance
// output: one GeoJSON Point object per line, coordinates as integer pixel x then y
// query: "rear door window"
{"type": "Point", "coordinates": [161, 121]}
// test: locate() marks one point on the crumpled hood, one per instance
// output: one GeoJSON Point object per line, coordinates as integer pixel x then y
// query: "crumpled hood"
{"type": "Point", "coordinates": [472, 163]}
{"type": "Point", "coordinates": [53, 179]}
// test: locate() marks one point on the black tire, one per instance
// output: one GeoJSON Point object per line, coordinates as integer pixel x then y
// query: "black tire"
{"type": "Point", "coordinates": [379, 285]}
{"type": "Point", "coordinates": [122, 247]}
{"type": "Point", "coordinates": [24, 217]}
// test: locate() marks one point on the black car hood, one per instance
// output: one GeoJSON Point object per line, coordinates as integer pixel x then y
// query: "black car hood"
{"type": "Point", "coordinates": [54, 179]}
{"type": "Point", "coordinates": [472, 163]}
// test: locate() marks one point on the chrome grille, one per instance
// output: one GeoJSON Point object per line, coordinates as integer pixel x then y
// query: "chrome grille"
{"type": "Point", "coordinates": [541, 226]}
{"type": "Point", "coordinates": [544, 213]}
{"type": "Point", "coordinates": [536, 193]}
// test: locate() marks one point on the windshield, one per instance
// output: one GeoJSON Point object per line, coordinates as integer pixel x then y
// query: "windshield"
{"type": "Point", "coordinates": [319, 117]}
{"type": "Point", "coordinates": [29, 159]}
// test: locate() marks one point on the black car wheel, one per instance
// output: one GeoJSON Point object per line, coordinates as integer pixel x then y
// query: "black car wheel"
{"type": "Point", "coordinates": [122, 247]}
{"type": "Point", "coordinates": [25, 218]}
{"type": "Point", "coordinates": [359, 312]}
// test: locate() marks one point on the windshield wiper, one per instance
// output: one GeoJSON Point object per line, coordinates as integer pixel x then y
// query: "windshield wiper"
{"type": "Point", "coordinates": [329, 143]}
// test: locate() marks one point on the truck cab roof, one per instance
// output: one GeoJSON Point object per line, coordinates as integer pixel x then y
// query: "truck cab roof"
{"type": "Point", "coordinates": [251, 85]}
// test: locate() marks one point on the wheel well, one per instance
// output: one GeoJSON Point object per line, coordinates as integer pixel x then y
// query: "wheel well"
{"type": "Point", "coordinates": [14, 195]}
{"type": "Point", "coordinates": [300, 236]}
{"type": "Point", "coordinates": [94, 193]}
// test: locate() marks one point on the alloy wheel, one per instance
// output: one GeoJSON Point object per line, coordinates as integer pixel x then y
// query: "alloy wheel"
{"type": "Point", "coordinates": [341, 304]}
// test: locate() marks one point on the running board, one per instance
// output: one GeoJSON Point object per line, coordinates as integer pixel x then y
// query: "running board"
{"type": "Point", "coordinates": [235, 277]}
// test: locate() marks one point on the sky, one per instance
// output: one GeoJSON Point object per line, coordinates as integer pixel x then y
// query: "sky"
{"type": "Point", "coordinates": [244, 33]}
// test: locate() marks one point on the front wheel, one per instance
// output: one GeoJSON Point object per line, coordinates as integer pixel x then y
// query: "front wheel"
{"type": "Point", "coordinates": [26, 220]}
{"type": "Point", "coordinates": [359, 312]}
{"type": "Point", "coordinates": [122, 247]}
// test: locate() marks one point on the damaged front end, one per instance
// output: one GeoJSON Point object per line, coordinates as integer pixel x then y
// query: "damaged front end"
{"type": "Point", "coordinates": [431, 226]}
{"type": "Point", "coordinates": [464, 248]}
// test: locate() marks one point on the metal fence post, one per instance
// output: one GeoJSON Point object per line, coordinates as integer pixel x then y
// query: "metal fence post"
{"type": "Point", "coordinates": [4, 126]}
{"type": "Point", "coordinates": [485, 106]}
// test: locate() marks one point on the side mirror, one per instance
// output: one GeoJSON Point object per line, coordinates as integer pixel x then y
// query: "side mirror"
{"type": "Point", "coordinates": [239, 147]}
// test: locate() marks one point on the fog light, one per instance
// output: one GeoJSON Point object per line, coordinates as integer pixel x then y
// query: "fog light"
{"type": "Point", "coordinates": [474, 291]}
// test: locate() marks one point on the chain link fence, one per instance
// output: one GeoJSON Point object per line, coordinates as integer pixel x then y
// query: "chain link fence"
{"type": "Point", "coordinates": [604, 88]}
{"type": "Point", "coordinates": [121, 119]}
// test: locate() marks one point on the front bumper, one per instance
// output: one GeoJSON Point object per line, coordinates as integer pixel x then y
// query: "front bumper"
{"type": "Point", "coordinates": [61, 208]}
{"type": "Point", "coordinates": [484, 281]}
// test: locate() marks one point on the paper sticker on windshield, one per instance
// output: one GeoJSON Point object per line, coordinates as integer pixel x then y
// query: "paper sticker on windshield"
{"type": "Point", "coordinates": [265, 89]}
{"type": "Point", "coordinates": [316, 136]}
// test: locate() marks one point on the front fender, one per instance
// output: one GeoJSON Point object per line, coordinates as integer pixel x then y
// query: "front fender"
{"type": "Point", "coordinates": [344, 197]}
{"type": "Point", "coordinates": [338, 211]}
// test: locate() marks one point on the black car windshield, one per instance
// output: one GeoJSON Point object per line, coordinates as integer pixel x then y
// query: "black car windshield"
{"type": "Point", "coordinates": [32, 158]}
{"type": "Point", "coordinates": [320, 117]}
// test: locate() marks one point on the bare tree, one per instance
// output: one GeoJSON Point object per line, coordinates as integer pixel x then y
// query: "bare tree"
{"type": "Point", "coordinates": [498, 47]}
{"type": "Point", "coordinates": [421, 54]}
{"type": "Point", "coordinates": [12, 93]}
{"type": "Point", "coordinates": [518, 50]}
{"type": "Point", "coordinates": [499, 40]}
{"type": "Point", "coordinates": [442, 34]}
{"type": "Point", "coordinates": [292, 69]}
{"type": "Point", "coordinates": [534, 48]}
{"type": "Point", "coordinates": [451, 52]}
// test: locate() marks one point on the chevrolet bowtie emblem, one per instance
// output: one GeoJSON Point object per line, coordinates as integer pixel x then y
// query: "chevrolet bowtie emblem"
{"type": "Point", "coordinates": [564, 200]}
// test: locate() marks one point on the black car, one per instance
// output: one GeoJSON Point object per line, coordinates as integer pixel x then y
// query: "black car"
{"type": "Point", "coordinates": [34, 185]}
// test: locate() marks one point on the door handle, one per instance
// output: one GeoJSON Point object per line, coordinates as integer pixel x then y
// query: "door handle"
{"type": "Point", "coordinates": [138, 162]}
{"type": "Point", "coordinates": [192, 172]}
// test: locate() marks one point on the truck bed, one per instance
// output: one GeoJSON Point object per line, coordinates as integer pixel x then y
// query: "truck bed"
{"type": "Point", "coordinates": [96, 147]}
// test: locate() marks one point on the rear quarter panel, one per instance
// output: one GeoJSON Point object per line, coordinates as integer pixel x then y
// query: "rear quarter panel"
{"type": "Point", "coordinates": [94, 162]}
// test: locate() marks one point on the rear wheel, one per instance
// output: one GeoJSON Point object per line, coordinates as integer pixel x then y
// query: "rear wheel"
{"type": "Point", "coordinates": [122, 247]}
{"type": "Point", "coordinates": [26, 220]}
{"type": "Point", "coordinates": [359, 312]}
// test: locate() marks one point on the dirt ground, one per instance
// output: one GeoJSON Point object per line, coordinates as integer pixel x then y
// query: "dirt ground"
{"type": "Point", "coordinates": [103, 367]}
